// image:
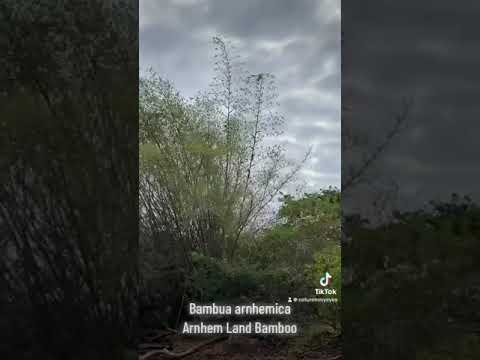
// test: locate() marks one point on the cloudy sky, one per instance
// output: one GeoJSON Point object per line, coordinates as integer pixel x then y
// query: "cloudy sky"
{"type": "Point", "coordinates": [430, 54]}
{"type": "Point", "coordinates": [297, 41]}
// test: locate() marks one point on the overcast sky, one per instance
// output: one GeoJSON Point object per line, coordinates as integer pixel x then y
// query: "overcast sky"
{"type": "Point", "coordinates": [297, 41]}
{"type": "Point", "coordinates": [429, 53]}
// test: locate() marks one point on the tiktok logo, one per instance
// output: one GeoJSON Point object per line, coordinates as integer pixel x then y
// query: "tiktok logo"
{"type": "Point", "coordinates": [325, 280]}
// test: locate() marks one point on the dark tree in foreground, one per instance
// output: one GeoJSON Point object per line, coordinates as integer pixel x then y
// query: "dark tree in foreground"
{"type": "Point", "coordinates": [68, 202]}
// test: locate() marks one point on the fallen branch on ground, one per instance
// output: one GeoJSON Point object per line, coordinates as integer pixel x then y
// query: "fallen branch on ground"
{"type": "Point", "coordinates": [335, 357]}
{"type": "Point", "coordinates": [183, 353]}
{"type": "Point", "coordinates": [159, 335]}
{"type": "Point", "coordinates": [145, 346]}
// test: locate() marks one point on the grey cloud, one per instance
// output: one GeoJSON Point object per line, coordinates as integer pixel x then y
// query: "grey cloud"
{"type": "Point", "coordinates": [267, 19]}
{"type": "Point", "coordinates": [410, 48]}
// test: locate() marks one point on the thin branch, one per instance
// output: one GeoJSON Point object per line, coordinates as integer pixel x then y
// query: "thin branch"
{"type": "Point", "coordinates": [183, 353]}
{"type": "Point", "coordinates": [400, 119]}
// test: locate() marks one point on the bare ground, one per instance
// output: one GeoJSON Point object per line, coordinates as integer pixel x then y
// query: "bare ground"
{"type": "Point", "coordinates": [172, 346]}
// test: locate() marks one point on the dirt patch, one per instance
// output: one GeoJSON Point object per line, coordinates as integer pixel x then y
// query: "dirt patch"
{"type": "Point", "coordinates": [172, 346]}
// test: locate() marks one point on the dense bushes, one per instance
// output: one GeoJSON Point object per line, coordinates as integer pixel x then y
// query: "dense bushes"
{"type": "Point", "coordinates": [414, 286]}
{"type": "Point", "coordinates": [285, 260]}
{"type": "Point", "coordinates": [214, 281]}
